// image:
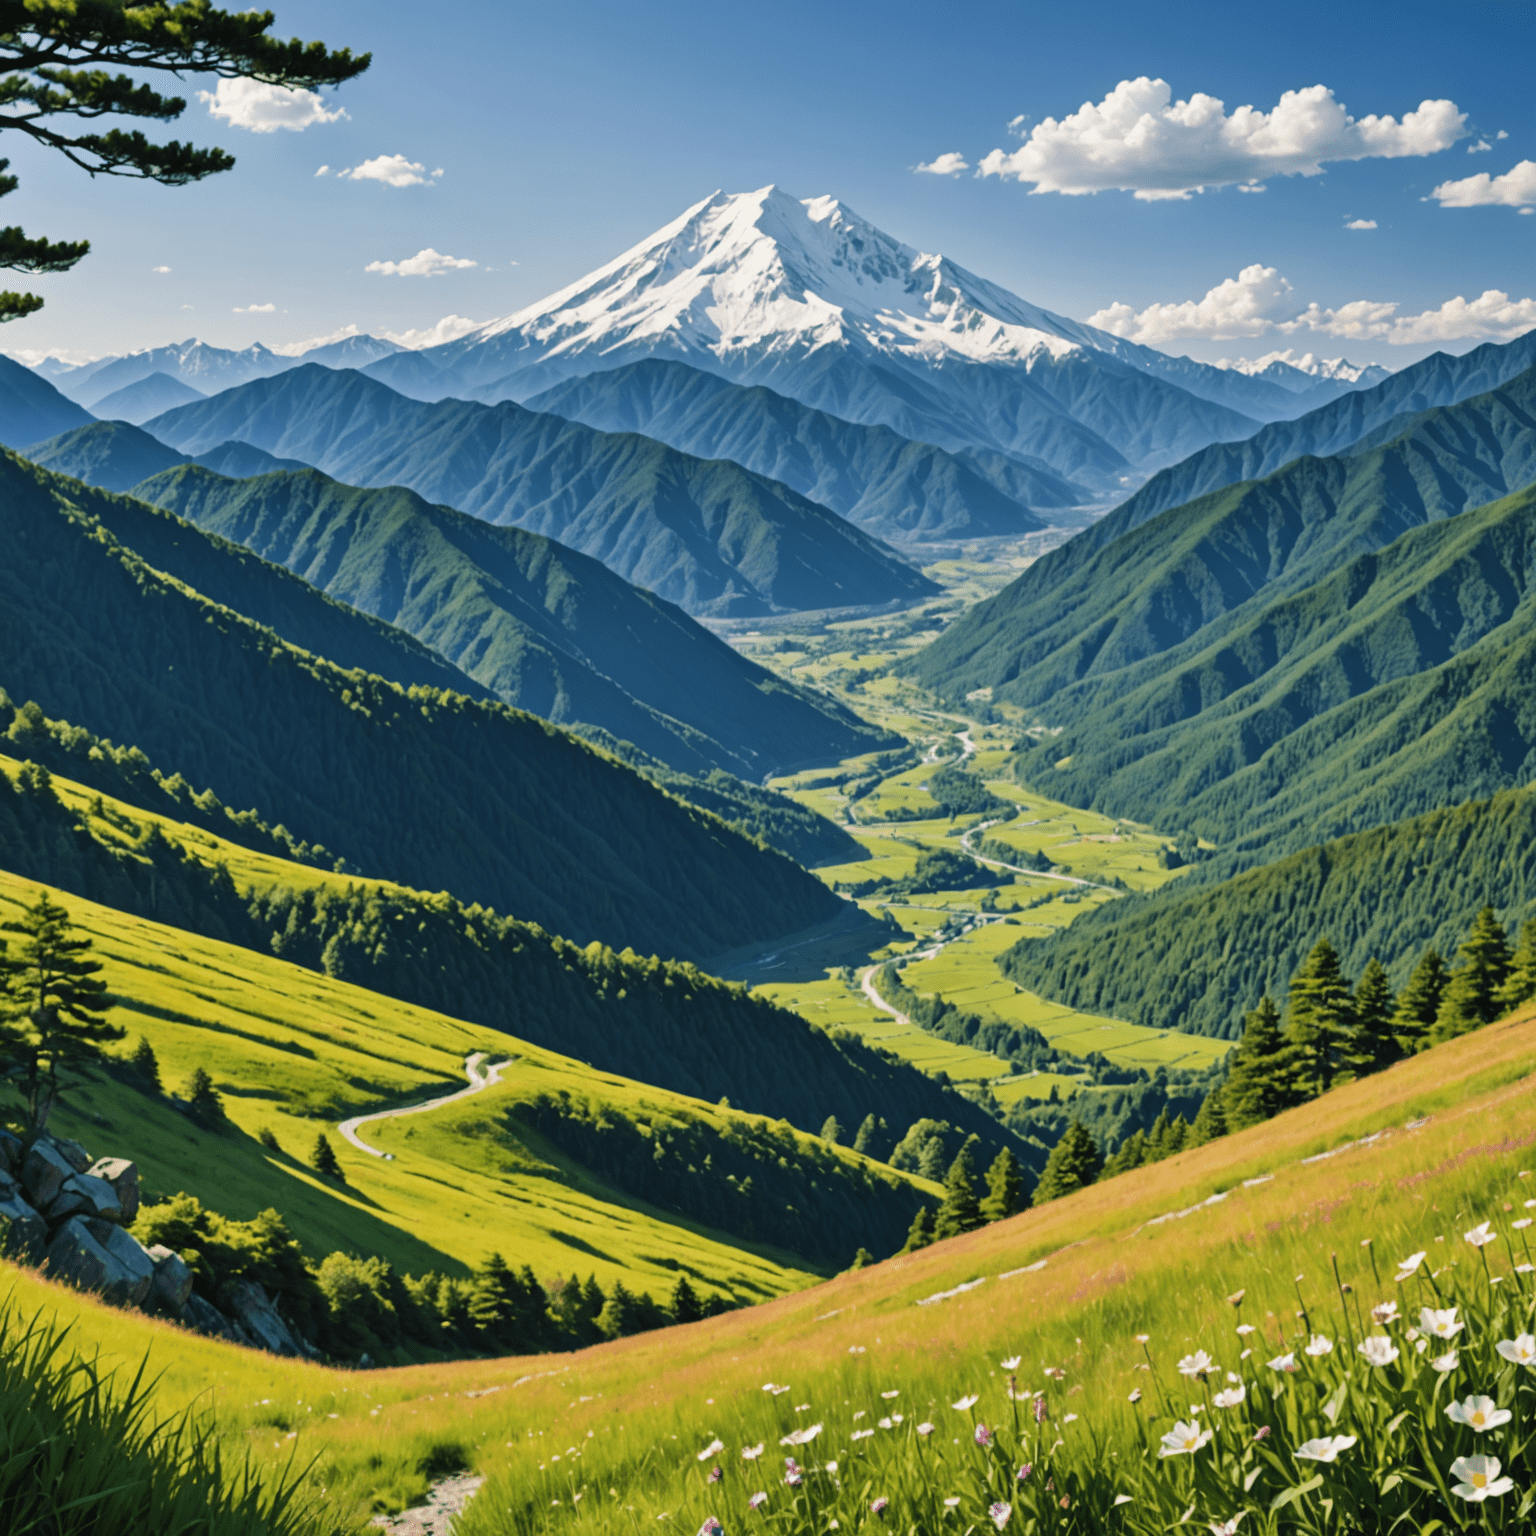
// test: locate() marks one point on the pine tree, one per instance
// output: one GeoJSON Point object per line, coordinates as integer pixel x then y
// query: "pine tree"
{"type": "Point", "coordinates": [490, 1301]}
{"type": "Point", "coordinates": [51, 1005]}
{"type": "Point", "coordinates": [1176, 1137]}
{"type": "Point", "coordinates": [866, 1134]}
{"type": "Point", "coordinates": [960, 1212]}
{"type": "Point", "coordinates": [145, 1064]}
{"type": "Point", "coordinates": [620, 1314]}
{"type": "Point", "coordinates": [1074, 1163]}
{"type": "Point", "coordinates": [686, 1307]}
{"type": "Point", "coordinates": [1211, 1121]}
{"type": "Point", "coordinates": [1260, 1083]}
{"type": "Point", "coordinates": [1321, 1019]}
{"type": "Point", "coordinates": [1005, 1187]}
{"type": "Point", "coordinates": [203, 1100]}
{"type": "Point", "coordinates": [1131, 1153]}
{"type": "Point", "coordinates": [1418, 1004]}
{"type": "Point", "coordinates": [322, 1159]}
{"type": "Point", "coordinates": [862, 1259]}
{"type": "Point", "coordinates": [1473, 992]}
{"type": "Point", "coordinates": [1375, 1043]}
{"type": "Point", "coordinates": [930, 1162]}
{"type": "Point", "coordinates": [830, 1129]}
{"type": "Point", "coordinates": [1155, 1148]}
{"type": "Point", "coordinates": [1520, 986]}
{"type": "Point", "coordinates": [920, 1233]}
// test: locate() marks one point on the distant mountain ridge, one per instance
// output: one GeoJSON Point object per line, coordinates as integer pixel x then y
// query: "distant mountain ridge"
{"type": "Point", "coordinates": [32, 409]}
{"type": "Point", "coordinates": [116, 456]}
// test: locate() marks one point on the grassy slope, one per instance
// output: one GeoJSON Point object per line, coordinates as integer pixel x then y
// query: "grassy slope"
{"type": "Point", "coordinates": [1108, 1273]}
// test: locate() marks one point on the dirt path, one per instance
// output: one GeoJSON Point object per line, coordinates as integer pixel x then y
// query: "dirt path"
{"type": "Point", "coordinates": [477, 1082]}
{"type": "Point", "coordinates": [436, 1516]}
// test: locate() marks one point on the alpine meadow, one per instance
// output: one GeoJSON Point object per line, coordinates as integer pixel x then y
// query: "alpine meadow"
{"type": "Point", "coordinates": [737, 878]}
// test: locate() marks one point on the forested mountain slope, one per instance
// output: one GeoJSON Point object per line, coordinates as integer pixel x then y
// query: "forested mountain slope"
{"type": "Point", "coordinates": [31, 408]}
{"type": "Point", "coordinates": [1088, 612]}
{"type": "Point", "coordinates": [889, 485]}
{"type": "Point", "coordinates": [430, 788]}
{"type": "Point", "coordinates": [708, 535]}
{"type": "Point", "coordinates": [1198, 956]}
{"type": "Point", "coordinates": [115, 456]}
{"type": "Point", "coordinates": [540, 626]}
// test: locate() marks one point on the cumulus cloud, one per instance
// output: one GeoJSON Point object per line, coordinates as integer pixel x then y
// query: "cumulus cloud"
{"type": "Point", "coordinates": [1139, 140]}
{"type": "Point", "coordinates": [266, 108]}
{"type": "Point", "coordinates": [1241, 306]}
{"type": "Point", "coordinates": [948, 164]}
{"type": "Point", "coordinates": [425, 263]}
{"type": "Point", "coordinates": [159, 269]}
{"type": "Point", "coordinates": [1492, 317]}
{"type": "Point", "coordinates": [1516, 188]}
{"type": "Point", "coordinates": [255, 309]}
{"type": "Point", "coordinates": [392, 170]}
{"type": "Point", "coordinates": [449, 328]}
{"type": "Point", "coordinates": [1361, 224]}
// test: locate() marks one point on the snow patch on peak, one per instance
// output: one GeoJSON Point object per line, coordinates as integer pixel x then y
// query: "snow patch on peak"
{"type": "Point", "coordinates": [1278, 365]}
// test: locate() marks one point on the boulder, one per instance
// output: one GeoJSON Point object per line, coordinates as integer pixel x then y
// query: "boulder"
{"type": "Point", "coordinates": [171, 1288]}
{"type": "Point", "coordinates": [82, 1195]}
{"type": "Point", "coordinates": [252, 1311]}
{"type": "Point", "coordinates": [9, 1188]}
{"type": "Point", "coordinates": [203, 1317]}
{"type": "Point", "coordinates": [71, 1151]}
{"type": "Point", "coordinates": [12, 1151]}
{"type": "Point", "coordinates": [98, 1256]}
{"type": "Point", "coordinates": [23, 1233]}
{"type": "Point", "coordinates": [123, 1176]}
{"type": "Point", "coordinates": [44, 1172]}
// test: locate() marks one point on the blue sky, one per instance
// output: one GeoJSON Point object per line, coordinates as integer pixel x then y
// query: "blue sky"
{"type": "Point", "coordinates": [564, 133]}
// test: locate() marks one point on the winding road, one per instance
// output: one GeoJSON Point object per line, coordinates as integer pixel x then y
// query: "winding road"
{"type": "Point", "coordinates": [478, 1080]}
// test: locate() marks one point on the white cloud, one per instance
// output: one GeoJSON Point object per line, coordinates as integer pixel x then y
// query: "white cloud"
{"type": "Point", "coordinates": [1138, 139]}
{"type": "Point", "coordinates": [1479, 148]}
{"type": "Point", "coordinates": [266, 108]}
{"type": "Point", "coordinates": [1516, 188]}
{"type": "Point", "coordinates": [324, 170]}
{"type": "Point", "coordinates": [1241, 306]}
{"type": "Point", "coordinates": [255, 309]}
{"type": "Point", "coordinates": [425, 263]}
{"type": "Point", "coordinates": [1492, 317]}
{"type": "Point", "coordinates": [1361, 224]}
{"type": "Point", "coordinates": [449, 328]}
{"type": "Point", "coordinates": [392, 170]}
{"type": "Point", "coordinates": [947, 164]}
{"type": "Point", "coordinates": [159, 269]}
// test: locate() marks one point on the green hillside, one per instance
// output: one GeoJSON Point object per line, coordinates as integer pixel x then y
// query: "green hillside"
{"type": "Point", "coordinates": [427, 787]}
{"type": "Point", "coordinates": [538, 625]}
{"type": "Point", "coordinates": [705, 534]}
{"type": "Point", "coordinates": [1086, 611]}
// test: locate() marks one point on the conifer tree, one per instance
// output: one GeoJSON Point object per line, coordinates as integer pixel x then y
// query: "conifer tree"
{"type": "Point", "coordinates": [866, 1134]}
{"type": "Point", "coordinates": [1520, 985]}
{"type": "Point", "coordinates": [862, 1259]}
{"type": "Point", "coordinates": [322, 1159]}
{"type": "Point", "coordinates": [146, 1064]}
{"type": "Point", "coordinates": [830, 1129]}
{"type": "Point", "coordinates": [1472, 995]}
{"type": "Point", "coordinates": [1418, 1004]}
{"type": "Point", "coordinates": [203, 1099]}
{"type": "Point", "coordinates": [1131, 1153]}
{"type": "Point", "coordinates": [1210, 1122]}
{"type": "Point", "coordinates": [686, 1307]}
{"type": "Point", "coordinates": [1260, 1084]}
{"type": "Point", "coordinates": [490, 1308]}
{"type": "Point", "coordinates": [1005, 1187]}
{"type": "Point", "coordinates": [1375, 1043]}
{"type": "Point", "coordinates": [1321, 1019]}
{"type": "Point", "coordinates": [620, 1314]}
{"type": "Point", "coordinates": [1155, 1148]}
{"type": "Point", "coordinates": [920, 1233]}
{"type": "Point", "coordinates": [1074, 1163]}
{"type": "Point", "coordinates": [1175, 1137]}
{"type": "Point", "coordinates": [960, 1211]}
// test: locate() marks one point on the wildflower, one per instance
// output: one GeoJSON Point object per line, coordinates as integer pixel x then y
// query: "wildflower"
{"type": "Point", "coordinates": [1231, 1397]}
{"type": "Point", "coordinates": [1121, 1498]}
{"type": "Point", "coordinates": [983, 1436]}
{"type": "Point", "coordinates": [1326, 1449]}
{"type": "Point", "coordinates": [711, 1527]}
{"type": "Point", "coordinates": [1320, 1344]}
{"type": "Point", "coordinates": [1136, 1394]}
{"type": "Point", "coordinates": [1184, 1439]}
{"type": "Point", "coordinates": [1286, 1362]}
{"type": "Point", "coordinates": [831, 1466]}
{"type": "Point", "coordinates": [950, 1503]}
{"type": "Point", "coordinates": [896, 1418]}
{"type": "Point", "coordinates": [1384, 1312]}
{"type": "Point", "coordinates": [1011, 1363]}
{"type": "Point", "coordinates": [878, 1506]}
{"type": "Point", "coordinates": [752, 1452]}
{"type": "Point", "coordinates": [1000, 1513]}
{"type": "Point", "coordinates": [1236, 1298]}
{"type": "Point", "coordinates": [802, 1407]}
{"type": "Point", "coordinates": [1481, 1235]}
{"type": "Point", "coordinates": [1024, 1472]}
{"type": "Point", "coordinates": [1479, 1413]}
{"type": "Point", "coordinates": [925, 1429]}
{"type": "Point", "coordinates": [1479, 1479]}
{"type": "Point", "coordinates": [715, 1474]}
{"type": "Point", "coordinates": [1197, 1364]}
{"type": "Point", "coordinates": [757, 1501]}
{"type": "Point", "coordinates": [889, 1395]}
{"type": "Point", "coordinates": [1518, 1351]}
{"type": "Point", "coordinates": [1447, 1362]}
{"type": "Point", "coordinates": [1244, 1329]}
{"type": "Point", "coordinates": [861, 1434]}
{"type": "Point", "coordinates": [1522, 1224]}
{"type": "Point", "coordinates": [1261, 1433]}
{"type": "Point", "coordinates": [1520, 1269]}
{"type": "Point", "coordinates": [801, 1436]}
{"type": "Point", "coordinates": [1442, 1324]}
{"type": "Point", "coordinates": [966, 1403]}
{"type": "Point", "coordinates": [1143, 1338]}
{"type": "Point", "coordinates": [792, 1474]}
{"type": "Point", "coordinates": [1378, 1349]}
{"type": "Point", "coordinates": [885, 1423]}
{"type": "Point", "coordinates": [1407, 1268]}
{"type": "Point", "coordinates": [712, 1449]}
{"type": "Point", "coordinates": [1070, 1418]}
{"type": "Point", "coordinates": [1227, 1527]}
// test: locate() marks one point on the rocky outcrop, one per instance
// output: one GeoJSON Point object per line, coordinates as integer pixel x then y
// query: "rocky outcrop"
{"type": "Point", "coordinates": [171, 1288]}
{"type": "Point", "coordinates": [123, 1176]}
{"type": "Point", "coordinates": [251, 1308]}
{"type": "Point", "coordinates": [23, 1233]}
{"type": "Point", "coordinates": [43, 1173]}
{"type": "Point", "coordinates": [96, 1255]}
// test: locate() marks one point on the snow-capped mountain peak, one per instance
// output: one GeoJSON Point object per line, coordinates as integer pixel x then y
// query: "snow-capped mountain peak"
{"type": "Point", "coordinates": [1282, 366]}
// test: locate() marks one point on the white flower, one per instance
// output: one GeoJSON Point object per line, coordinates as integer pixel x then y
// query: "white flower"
{"type": "Point", "coordinates": [1479, 1479]}
{"type": "Point", "coordinates": [1197, 1364]}
{"type": "Point", "coordinates": [1121, 1498]}
{"type": "Point", "coordinates": [1525, 1269]}
{"type": "Point", "coordinates": [966, 1403]}
{"type": "Point", "coordinates": [1481, 1235]}
{"type": "Point", "coordinates": [925, 1429]}
{"type": "Point", "coordinates": [950, 1503]}
{"type": "Point", "coordinates": [1069, 1418]}
{"type": "Point", "coordinates": [1522, 1224]}
{"type": "Point", "coordinates": [712, 1449]}
{"type": "Point", "coordinates": [889, 1395]}
{"type": "Point", "coordinates": [801, 1436]}
{"type": "Point", "coordinates": [1518, 1351]}
{"type": "Point", "coordinates": [1320, 1345]}
{"type": "Point", "coordinates": [1447, 1362]}
{"type": "Point", "coordinates": [1326, 1449]}
{"type": "Point", "coordinates": [1231, 1397]}
{"type": "Point", "coordinates": [1227, 1527]}
{"type": "Point", "coordinates": [1378, 1349]}
{"type": "Point", "coordinates": [1184, 1440]}
{"type": "Point", "coordinates": [1143, 1338]}
{"type": "Point", "coordinates": [1012, 1362]}
{"type": "Point", "coordinates": [1286, 1362]}
{"type": "Point", "coordinates": [1410, 1265]}
{"type": "Point", "coordinates": [1384, 1312]}
{"type": "Point", "coordinates": [1135, 1396]}
{"type": "Point", "coordinates": [885, 1423]}
{"type": "Point", "coordinates": [861, 1434]}
{"type": "Point", "coordinates": [752, 1452]}
{"type": "Point", "coordinates": [1442, 1325]}
{"type": "Point", "coordinates": [1479, 1413]}
{"type": "Point", "coordinates": [1244, 1329]}
{"type": "Point", "coordinates": [896, 1418]}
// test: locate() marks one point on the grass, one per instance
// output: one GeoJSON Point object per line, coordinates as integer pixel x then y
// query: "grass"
{"type": "Point", "coordinates": [639, 1411]}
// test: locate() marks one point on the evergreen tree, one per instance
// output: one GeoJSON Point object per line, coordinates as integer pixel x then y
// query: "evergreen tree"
{"type": "Point", "coordinates": [1260, 1083]}
{"type": "Point", "coordinates": [51, 1002]}
{"type": "Point", "coordinates": [1418, 1004]}
{"type": "Point", "coordinates": [1074, 1163]}
{"type": "Point", "coordinates": [1155, 1148]}
{"type": "Point", "coordinates": [686, 1307]}
{"type": "Point", "coordinates": [830, 1129]}
{"type": "Point", "coordinates": [490, 1293]}
{"type": "Point", "coordinates": [1375, 1044]}
{"type": "Point", "coordinates": [1472, 995]}
{"type": "Point", "coordinates": [1321, 1019]}
{"type": "Point", "coordinates": [1131, 1153]}
{"type": "Point", "coordinates": [1005, 1187]}
{"type": "Point", "coordinates": [144, 1063]}
{"type": "Point", "coordinates": [322, 1159]}
{"type": "Point", "coordinates": [202, 1098]}
{"type": "Point", "coordinates": [620, 1315]}
{"type": "Point", "coordinates": [1520, 986]}
{"type": "Point", "coordinates": [866, 1135]}
{"type": "Point", "coordinates": [960, 1211]}
{"type": "Point", "coordinates": [920, 1233]}
{"type": "Point", "coordinates": [862, 1259]}
{"type": "Point", "coordinates": [1211, 1120]}
{"type": "Point", "coordinates": [1175, 1137]}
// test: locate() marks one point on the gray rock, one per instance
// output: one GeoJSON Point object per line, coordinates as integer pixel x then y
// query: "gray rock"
{"type": "Point", "coordinates": [203, 1317]}
{"type": "Point", "coordinates": [9, 1188]}
{"type": "Point", "coordinates": [254, 1313]}
{"type": "Point", "coordinates": [23, 1233]}
{"type": "Point", "coordinates": [171, 1288]}
{"type": "Point", "coordinates": [44, 1172]}
{"type": "Point", "coordinates": [12, 1151]}
{"type": "Point", "coordinates": [82, 1195]}
{"type": "Point", "coordinates": [97, 1256]}
{"type": "Point", "coordinates": [72, 1152]}
{"type": "Point", "coordinates": [123, 1176]}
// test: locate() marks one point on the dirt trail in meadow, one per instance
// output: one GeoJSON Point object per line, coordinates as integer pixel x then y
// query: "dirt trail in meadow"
{"type": "Point", "coordinates": [478, 1080]}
